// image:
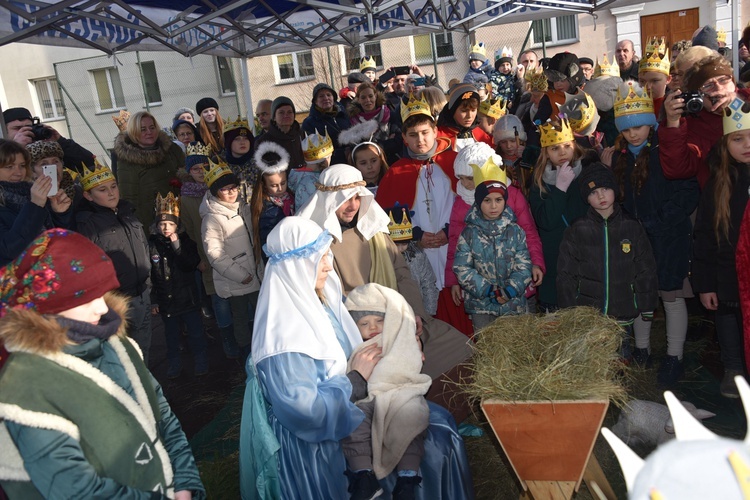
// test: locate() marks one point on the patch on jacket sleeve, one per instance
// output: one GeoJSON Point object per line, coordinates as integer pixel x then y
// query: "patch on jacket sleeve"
{"type": "Point", "coordinates": [625, 245]}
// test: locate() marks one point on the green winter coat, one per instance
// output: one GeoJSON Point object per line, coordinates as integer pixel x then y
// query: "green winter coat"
{"type": "Point", "coordinates": [141, 173]}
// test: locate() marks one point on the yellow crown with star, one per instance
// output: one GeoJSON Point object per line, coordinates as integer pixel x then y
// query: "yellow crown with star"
{"type": "Point", "coordinates": [657, 57]}
{"type": "Point", "coordinates": [414, 107]}
{"type": "Point", "coordinates": [400, 231]}
{"type": "Point", "coordinates": [633, 103]}
{"type": "Point", "coordinates": [167, 206]}
{"type": "Point", "coordinates": [721, 36]}
{"type": "Point", "coordinates": [736, 116]}
{"type": "Point", "coordinates": [489, 172]}
{"type": "Point", "coordinates": [579, 102]}
{"type": "Point", "coordinates": [494, 108]}
{"type": "Point", "coordinates": [367, 64]}
{"type": "Point", "coordinates": [537, 80]}
{"type": "Point", "coordinates": [478, 52]}
{"type": "Point", "coordinates": [239, 123]}
{"type": "Point", "coordinates": [316, 147]}
{"type": "Point", "coordinates": [92, 178]}
{"type": "Point", "coordinates": [198, 149]}
{"type": "Point", "coordinates": [552, 133]}
{"type": "Point", "coordinates": [604, 68]}
{"type": "Point", "coordinates": [216, 171]}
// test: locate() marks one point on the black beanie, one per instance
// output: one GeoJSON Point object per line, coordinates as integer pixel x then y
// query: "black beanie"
{"type": "Point", "coordinates": [205, 103]}
{"type": "Point", "coordinates": [13, 114]}
{"type": "Point", "coordinates": [707, 37]}
{"type": "Point", "coordinates": [222, 181]}
{"type": "Point", "coordinates": [281, 101]}
{"type": "Point", "coordinates": [595, 176]}
{"type": "Point", "coordinates": [356, 77]}
{"type": "Point", "coordinates": [484, 189]}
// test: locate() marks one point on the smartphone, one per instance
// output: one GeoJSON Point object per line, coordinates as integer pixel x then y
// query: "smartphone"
{"type": "Point", "coordinates": [51, 172]}
{"type": "Point", "coordinates": [402, 70]}
{"type": "Point", "coordinates": [419, 82]}
{"type": "Point", "coordinates": [386, 76]}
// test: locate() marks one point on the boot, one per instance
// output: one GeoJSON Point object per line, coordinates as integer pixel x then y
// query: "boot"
{"type": "Point", "coordinates": [670, 372]}
{"type": "Point", "coordinates": [728, 388]}
{"type": "Point", "coordinates": [641, 357]}
{"type": "Point", "coordinates": [228, 342]}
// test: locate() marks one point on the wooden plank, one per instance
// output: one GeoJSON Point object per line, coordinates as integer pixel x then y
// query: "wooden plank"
{"type": "Point", "coordinates": [595, 474]}
{"type": "Point", "coordinates": [551, 490]}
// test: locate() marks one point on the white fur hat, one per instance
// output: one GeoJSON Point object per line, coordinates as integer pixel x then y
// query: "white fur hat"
{"type": "Point", "coordinates": [271, 158]}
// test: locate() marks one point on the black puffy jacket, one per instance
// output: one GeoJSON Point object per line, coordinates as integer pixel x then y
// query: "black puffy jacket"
{"type": "Point", "coordinates": [607, 264]}
{"type": "Point", "coordinates": [173, 274]}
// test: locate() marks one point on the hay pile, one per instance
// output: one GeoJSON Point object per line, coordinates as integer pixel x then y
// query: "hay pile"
{"type": "Point", "coordinates": [571, 354]}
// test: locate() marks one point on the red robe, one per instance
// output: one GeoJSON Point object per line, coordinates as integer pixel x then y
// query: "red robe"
{"type": "Point", "coordinates": [477, 133]}
{"type": "Point", "coordinates": [742, 262]}
{"type": "Point", "coordinates": [399, 184]}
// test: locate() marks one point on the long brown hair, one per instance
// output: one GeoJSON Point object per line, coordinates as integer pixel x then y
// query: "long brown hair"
{"type": "Point", "coordinates": [256, 209]}
{"type": "Point", "coordinates": [541, 165]}
{"type": "Point", "coordinates": [640, 170]}
{"type": "Point", "coordinates": [207, 137]}
{"type": "Point", "coordinates": [724, 172]}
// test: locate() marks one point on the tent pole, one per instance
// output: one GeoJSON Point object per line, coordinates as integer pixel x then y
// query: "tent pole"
{"type": "Point", "coordinates": [433, 43]}
{"type": "Point", "coordinates": [735, 45]}
{"type": "Point", "coordinates": [246, 84]}
{"type": "Point", "coordinates": [143, 80]}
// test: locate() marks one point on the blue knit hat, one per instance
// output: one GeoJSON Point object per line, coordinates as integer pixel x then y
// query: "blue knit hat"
{"type": "Point", "coordinates": [635, 120]}
{"type": "Point", "coordinates": [194, 159]}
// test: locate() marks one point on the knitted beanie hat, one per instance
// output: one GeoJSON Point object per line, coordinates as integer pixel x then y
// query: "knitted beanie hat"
{"type": "Point", "coordinates": [16, 114]}
{"type": "Point", "coordinates": [707, 37]}
{"type": "Point", "coordinates": [205, 103]}
{"type": "Point", "coordinates": [323, 86]}
{"type": "Point", "coordinates": [195, 155]}
{"type": "Point", "coordinates": [178, 123]}
{"type": "Point", "coordinates": [58, 271]}
{"type": "Point", "coordinates": [281, 101]}
{"type": "Point", "coordinates": [711, 67]}
{"type": "Point", "coordinates": [356, 77]}
{"type": "Point", "coordinates": [43, 149]}
{"type": "Point", "coordinates": [182, 111]}
{"type": "Point", "coordinates": [594, 176]}
{"type": "Point", "coordinates": [358, 315]}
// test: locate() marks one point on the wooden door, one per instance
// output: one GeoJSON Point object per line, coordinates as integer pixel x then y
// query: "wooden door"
{"type": "Point", "coordinates": [675, 26]}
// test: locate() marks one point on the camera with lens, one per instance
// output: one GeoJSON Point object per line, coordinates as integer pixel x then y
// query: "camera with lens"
{"type": "Point", "coordinates": [693, 101]}
{"type": "Point", "coordinates": [41, 133]}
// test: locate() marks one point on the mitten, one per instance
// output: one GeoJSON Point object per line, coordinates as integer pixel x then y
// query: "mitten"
{"type": "Point", "coordinates": [565, 176]}
{"type": "Point", "coordinates": [503, 295]}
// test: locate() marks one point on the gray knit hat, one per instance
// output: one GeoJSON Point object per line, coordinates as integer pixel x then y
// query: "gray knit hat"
{"type": "Point", "coordinates": [182, 111]}
{"type": "Point", "coordinates": [281, 101]}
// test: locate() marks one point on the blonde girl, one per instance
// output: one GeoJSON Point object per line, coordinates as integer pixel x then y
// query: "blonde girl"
{"type": "Point", "coordinates": [555, 198]}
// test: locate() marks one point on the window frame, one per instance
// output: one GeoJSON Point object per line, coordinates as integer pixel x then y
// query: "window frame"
{"type": "Point", "coordinates": [555, 41]}
{"type": "Point", "coordinates": [219, 73]}
{"type": "Point", "coordinates": [158, 89]}
{"type": "Point", "coordinates": [58, 113]}
{"type": "Point", "coordinates": [345, 70]}
{"type": "Point", "coordinates": [433, 40]}
{"type": "Point", "coordinates": [295, 68]}
{"type": "Point", "coordinates": [112, 94]}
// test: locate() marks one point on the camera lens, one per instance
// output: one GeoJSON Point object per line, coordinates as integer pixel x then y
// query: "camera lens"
{"type": "Point", "coordinates": [694, 105]}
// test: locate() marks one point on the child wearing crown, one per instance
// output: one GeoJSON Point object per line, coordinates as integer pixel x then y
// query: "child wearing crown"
{"type": "Point", "coordinates": [423, 181]}
{"type": "Point", "coordinates": [555, 199]}
{"type": "Point", "coordinates": [238, 153]}
{"type": "Point", "coordinates": [663, 207]}
{"type": "Point", "coordinates": [718, 272]}
{"type": "Point", "coordinates": [490, 110]}
{"type": "Point", "coordinates": [111, 222]}
{"type": "Point", "coordinates": [505, 84]}
{"type": "Point", "coordinates": [605, 257]}
{"type": "Point", "coordinates": [480, 68]}
{"type": "Point", "coordinates": [317, 151]}
{"type": "Point", "coordinates": [492, 262]}
{"type": "Point", "coordinates": [458, 119]}
{"type": "Point", "coordinates": [402, 235]}
{"type": "Point", "coordinates": [653, 71]}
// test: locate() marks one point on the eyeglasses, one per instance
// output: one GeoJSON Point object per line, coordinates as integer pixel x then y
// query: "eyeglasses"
{"type": "Point", "coordinates": [185, 134]}
{"type": "Point", "coordinates": [714, 84]}
{"type": "Point", "coordinates": [229, 189]}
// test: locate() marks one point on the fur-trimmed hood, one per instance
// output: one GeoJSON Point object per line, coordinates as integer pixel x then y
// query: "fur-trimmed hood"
{"type": "Point", "coordinates": [130, 152]}
{"type": "Point", "coordinates": [29, 331]}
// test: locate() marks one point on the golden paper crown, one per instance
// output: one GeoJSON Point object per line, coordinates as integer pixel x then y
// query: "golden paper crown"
{"type": "Point", "coordinates": [401, 231]}
{"type": "Point", "coordinates": [215, 171]}
{"type": "Point", "coordinates": [490, 171]}
{"type": "Point", "coordinates": [586, 107]}
{"type": "Point", "coordinates": [633, 103]}
{"type": "Point", "coordinates": [415, 106]}
{"type": "Point", "coordinates": [316, 147]}
{"type": "Point", "coordinates": [657, 57]}
{"type": "Point", "coordinates": [478, 51]}
{"type": "Point", "coordinates": [367, 64]}
{"type": "Point", "coordinates": [735, 118]}
{"type": "Point", "coordinates": [605, 69]}
{"type": "Point", "coordinates": [239, 123]}
{"type": "Point", "coordinates": [121, 120]}
{"type": "Point", "coordinates": [198, 149]}
{"type": "Point", "coordinates": [537, 80]}
{"type": "Point", "coordinates": [555, 133]}
{"type": "Point", "coordinates": [494, 108]}
{"type": "Point", "coordinates": [721, 36]}
{"type": "Point", "coordinates": [167, 206]}
{"type": "Point", "coordinates": [92, 178]}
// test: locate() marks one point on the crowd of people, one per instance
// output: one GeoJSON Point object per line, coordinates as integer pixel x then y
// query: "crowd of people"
{"type": "Point", "coordinates": [349, 260]}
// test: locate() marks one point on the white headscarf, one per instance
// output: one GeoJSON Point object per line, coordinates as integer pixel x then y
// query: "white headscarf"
{"type": "Point", "coordinates": [337, 184]}
{"type": "Point", "coordinates": [290, 316]}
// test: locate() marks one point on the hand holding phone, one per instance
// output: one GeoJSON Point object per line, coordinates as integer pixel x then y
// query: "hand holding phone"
{"type": "Point", "coordinates": [51, 172]}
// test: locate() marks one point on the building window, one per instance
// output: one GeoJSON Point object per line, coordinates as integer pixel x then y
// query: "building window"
{"type": "Point", "coordinates": [151, 82]}
{"type": "Point", "coordinates": [294, 67]}
{"type": "Point", "coordinates": [226, 78]}
{"type": "Point", "coordinates": [423, 48]}
{"type": "Point", "coordinates": [50, 101]}
{"type": "Point", "coordinates": [108, 89]}
{"type": "Point", "coordinates": [354, 55]}
{"type": "Point", "coordinates": [559, 30]}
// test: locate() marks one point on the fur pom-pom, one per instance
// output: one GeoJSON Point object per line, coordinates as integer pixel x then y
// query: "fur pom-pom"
{"type": "Point", "coordinates": [360, 132]}
{"type": "Point", "coordinates": [271, 158]}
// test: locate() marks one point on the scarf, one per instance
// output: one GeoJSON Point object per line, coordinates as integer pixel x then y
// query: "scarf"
{"type": "Point", "coordinates": [550, 174]}
{"type": "Point", "coordinates": [238, 161]}
{"type": "Point", "coordinates": [466, 194]}
{"type": "Point", "coordinates": [193, 189]}
{"type": "Point", "coordinates": [636, 150]}
{"type": "Point", "coordinates": [423, 156]}
{"type": "Point", "coordinates": [14, 195]}
{"type": "Point", "coordinates": [381, 115]}
{"type": "Point", "coordinates": [331, 112]}
{"type": "Point", "coordinates": [285, 201]}
{"type": "Point", "coordinates": [234, 207]}
{"type": "Point", "coordinates": [81, 332]}
{"type": "Point", "coordinates": [381, 271]}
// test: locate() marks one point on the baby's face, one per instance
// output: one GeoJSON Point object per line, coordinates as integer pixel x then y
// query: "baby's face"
{"type": "Point", "coordinates": [370, 325]}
